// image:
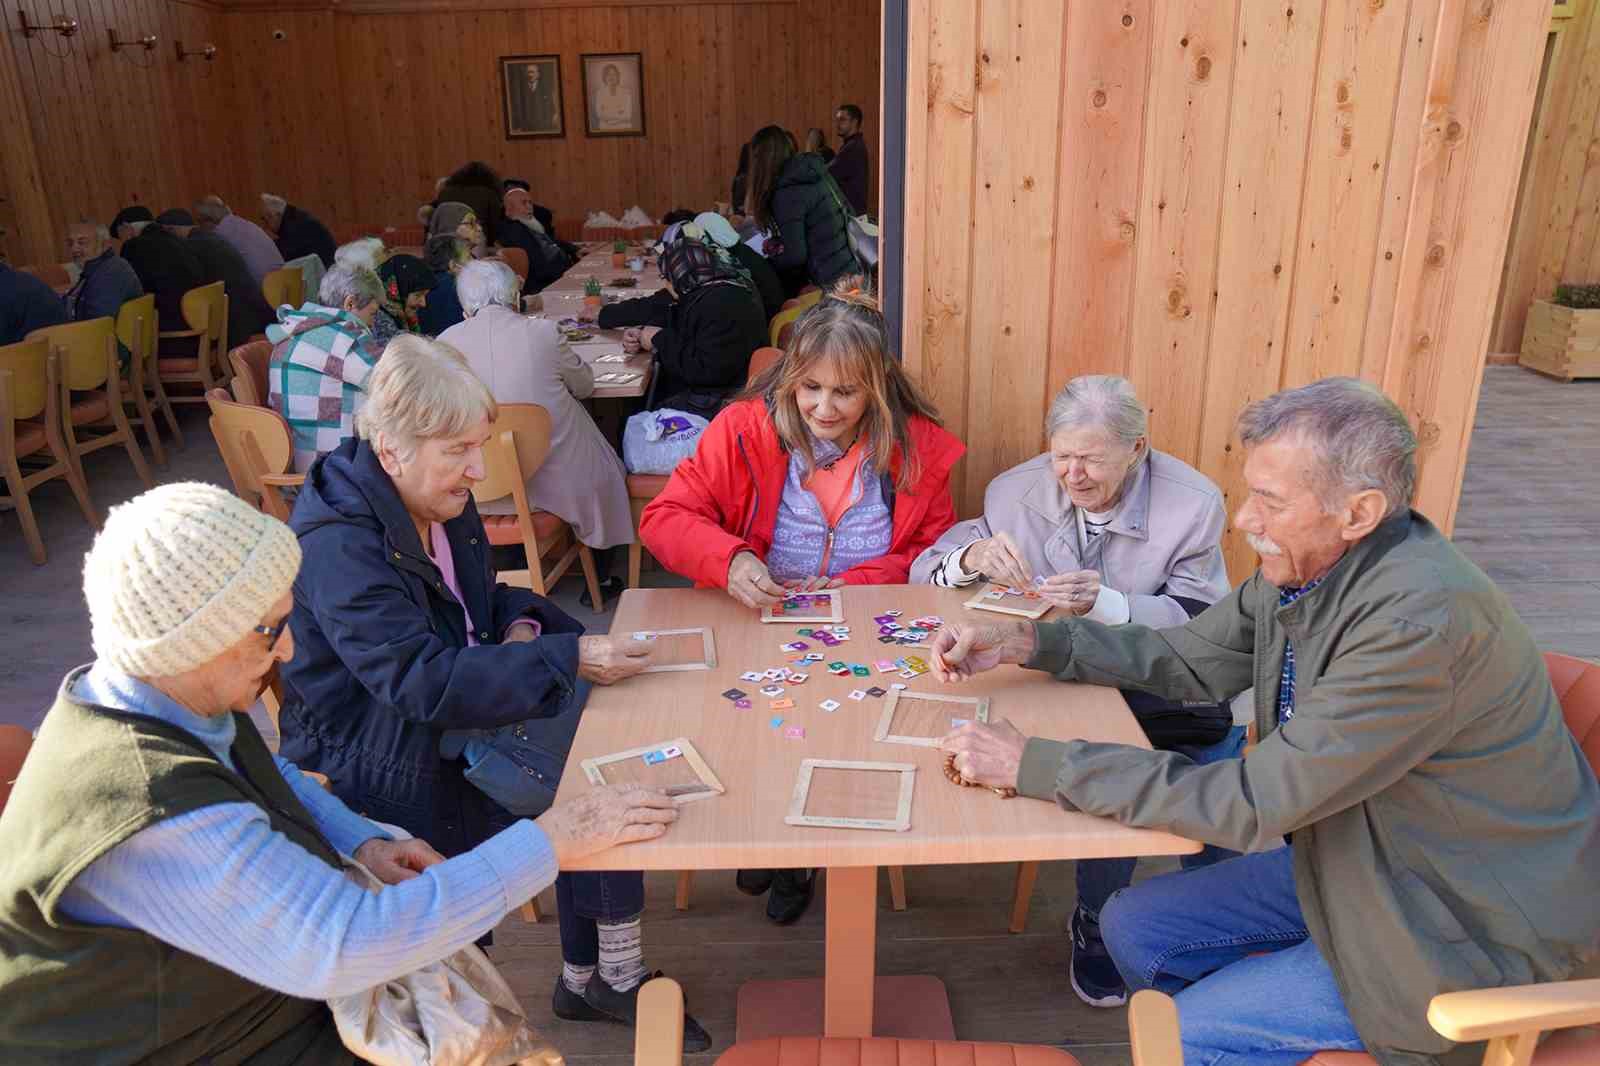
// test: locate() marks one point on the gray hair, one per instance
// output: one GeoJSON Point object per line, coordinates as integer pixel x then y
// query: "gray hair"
{"type": "Point", "coordinates": [487, 281]}
{"type": "Point", "coordinates": [101, 233]}
{"type": "Point", "coordinates": [346, 282]}
{"type": "Point", "coordinates": [211, 209]}
{"type": "Point", "coordinates": [364, 252]}
{"type": "Point", "coordinates": [1360, 438]}
{"type": "Point", "coordinates": [1103, 401]}
{"type": "Point", "coordinates": [422, 390]}
{"type": "Point", "coordinates": [274, 205]}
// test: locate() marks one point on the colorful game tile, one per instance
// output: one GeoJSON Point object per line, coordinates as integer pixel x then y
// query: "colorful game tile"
{"type": "Point", "coordinates": [734, 694]}
{"type": "Point", "coordinates": [829, 705]}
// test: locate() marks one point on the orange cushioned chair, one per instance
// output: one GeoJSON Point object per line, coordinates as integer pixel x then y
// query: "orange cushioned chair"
{"type": "Point", "coordinates": [516, 259]}
{"type": "Point", "coordinates": [250, 362]}
{"type": "Point", "coordinates": [258, 451]}
{"type": "Point", "coordinates": [205, 310]}
{"type": "Point", "coordinates": [1510, 1019]}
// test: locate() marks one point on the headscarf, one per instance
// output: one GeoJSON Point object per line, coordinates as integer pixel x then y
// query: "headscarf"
{"type": "Point", "coordinates": [692, 264]}
{"type": "Point", "coordinates": [403, 275]}
{"type": "Point", "coordinates": [717, 228]}
{"type": "Point", "coordinates": [448, 216]}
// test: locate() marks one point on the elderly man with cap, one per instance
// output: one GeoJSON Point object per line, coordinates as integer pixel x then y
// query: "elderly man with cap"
{"type": "Point", "coordinates": [167, 267]}
{"type": "Point", "coordinates": [105, 280]}
{"type": "Point", "coordinates": [250, 240]}
{"type": "Point", "coordinates": [248, 311]}
{"type": "Point", "coordinates": [200, 855]}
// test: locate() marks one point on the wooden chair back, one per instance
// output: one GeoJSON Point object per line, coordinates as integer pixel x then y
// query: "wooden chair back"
{"type": "Point", "coordinates": [83, 348]}
{"type": "Point", "coordinates": [27, 361]}
{"type": "Point", "coordinates": [760, 360]}
{"type": "Point", "coordinates": [285, 286]}
{"type": "Point", "coordinates": [201, 307]}
{"type": "Point", "coordinates": [516, 259]}
{"type": "Point", "coordinates": [137, 323]}
{"type": "Point", "coordinates": [508, 465]}
{"type": "Point", "coordinates": [14, 744]}
{"type": "Point", "coordinates": [256, 444]}
{"type": "Point", "coordinates": [250, 362]}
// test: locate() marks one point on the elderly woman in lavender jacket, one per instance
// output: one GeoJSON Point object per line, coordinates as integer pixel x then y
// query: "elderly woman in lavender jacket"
{"type": "Point", "coordinates": [1108, 528]}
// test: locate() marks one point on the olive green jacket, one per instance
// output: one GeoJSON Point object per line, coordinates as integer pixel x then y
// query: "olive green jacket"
{"type": "Point", "coordinates": [1446, 827]}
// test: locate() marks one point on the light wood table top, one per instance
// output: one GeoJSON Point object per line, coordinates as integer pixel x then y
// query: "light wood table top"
{"type": "Point", "coordinates": [758, 765]}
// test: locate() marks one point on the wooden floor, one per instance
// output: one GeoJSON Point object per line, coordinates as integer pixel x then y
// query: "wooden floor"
{"type": "Point", "coordinates": [1528, 516]}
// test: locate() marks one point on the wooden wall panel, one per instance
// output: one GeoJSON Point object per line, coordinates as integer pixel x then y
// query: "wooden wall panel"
{"type": "Point", "coordinates": [1319, 187]}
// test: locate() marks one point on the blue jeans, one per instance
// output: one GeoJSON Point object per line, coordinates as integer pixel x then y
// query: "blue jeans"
{"type": "Point", "coordinates": [1099, 878]}
{"type": "Point", "coordinates": [585, 899]}
{"type": "Point", "coordinates": [1230, 944]}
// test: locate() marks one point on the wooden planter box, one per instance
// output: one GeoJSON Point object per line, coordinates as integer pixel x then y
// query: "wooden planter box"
{"type": "Point", "coordinates": [1562, 342]}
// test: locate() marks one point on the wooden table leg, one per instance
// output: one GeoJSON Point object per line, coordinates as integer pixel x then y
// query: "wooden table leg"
{"type": "Point", "coordinates": [851, 951]}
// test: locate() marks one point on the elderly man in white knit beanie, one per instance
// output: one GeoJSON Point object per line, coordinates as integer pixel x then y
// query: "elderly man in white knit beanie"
{"type": "Point", "coordinates": [151, 831]}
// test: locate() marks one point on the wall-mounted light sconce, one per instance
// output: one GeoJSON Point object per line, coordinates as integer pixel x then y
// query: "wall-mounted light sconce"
{"type": "Point", "coordinates": [207, 51]}
{"type": "Point", "coordinates": [147, 42]}
{"type": "Point", "coordinates": [62, 24]}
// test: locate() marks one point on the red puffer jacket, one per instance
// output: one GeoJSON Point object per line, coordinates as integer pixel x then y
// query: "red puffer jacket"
{"type": "Point", "coordinates": [724, 500]}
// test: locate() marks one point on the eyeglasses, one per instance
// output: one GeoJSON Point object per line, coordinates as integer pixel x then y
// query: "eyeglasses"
{"type": "Point", "coordinates": [272, 632]}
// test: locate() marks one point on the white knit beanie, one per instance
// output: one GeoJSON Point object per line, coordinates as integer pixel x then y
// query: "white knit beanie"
{"type": "Point", "coordinates": [180, 574]}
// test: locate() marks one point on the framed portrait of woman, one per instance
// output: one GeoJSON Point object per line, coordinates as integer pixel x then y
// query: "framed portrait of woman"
{"type": "Point", "coordinates": [613, 94]}
{"type": "Point", "coordinates": [531, 91]}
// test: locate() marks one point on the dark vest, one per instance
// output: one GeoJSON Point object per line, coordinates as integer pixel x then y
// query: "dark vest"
{"type": "Point", "coordinates": [78, 993]}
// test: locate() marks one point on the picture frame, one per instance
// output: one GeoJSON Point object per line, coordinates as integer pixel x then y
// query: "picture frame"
{"type": "Point", "coordinates": [613, 94]}
{"type": "Point", "coordinates": [1003, 599]}
{"type": "Point", "coordinates": [899, 822]}
{"type": "Point", "coordinates": [977, 705]}
{"type": "Point", "coordinates": [530, 96]}
{"type": "Point", "coordinates": [708, 658]}
{"type": "Point", "coordinates": [704, 784]}
{"type": "Point", "coordinates": [810, 612]}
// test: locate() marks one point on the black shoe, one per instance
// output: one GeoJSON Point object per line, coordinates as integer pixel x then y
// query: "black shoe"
{"type": "Point", "coordinates": [610, 587]}
{"type": "Point", "coordinates": [791, 895]}
{"type": "Point", "coordinates": [607, 1004]}
{"type": "Point", "coordinates": [1093, 975]}
{"type": "Point", "coordinates": [753, 882]}
{"type": "Point", "coordinates": [570, 1006]}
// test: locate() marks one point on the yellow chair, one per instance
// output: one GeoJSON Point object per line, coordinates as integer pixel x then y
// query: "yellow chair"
{"type": "Point", "coordinates": [29, 424]}
{"type": "Point", "coordinates": [519, 443]}
{"type": "Point", "coordinates": [780, 320]}
{"type": "Point", "coordinates": [285, 286]}
{"type": "Point", "coordinates": [87, 355]}
{"type": "Point", "coordinates": [136, 329]}
{"type": "Point", "coordinates": [258, 450]}
{"type": "Point", "coordinates": [205, 309]}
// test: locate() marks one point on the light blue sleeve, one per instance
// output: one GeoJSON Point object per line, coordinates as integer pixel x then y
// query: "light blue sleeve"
{"type": "Point", "coordinates": [345, 829]}
{"type": "Point", "coordinates": [222, 884]}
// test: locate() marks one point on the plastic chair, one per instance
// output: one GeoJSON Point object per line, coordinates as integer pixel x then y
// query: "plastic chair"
{"type": "Point", "coordinates": [284, 286]}
{"type": "Point", "coordinates": [519, 444]}
{"type": "Point", "coordinates": [258, 450]}
{"type": "Point", "coordinates": [781, 321]}
{"type": "Point", "coordinates": [86, 354]}
{"type": "Point", "coordinates": [30, 424]}
{"type": "Point", "coordinates": [760, 360]}
{"type": "Point", "coordinates": [205, 309]}
{"type": "Point", "coordinates": [250, 362]}
{"type": "Point", "coordinates": [136, 329]}
{"type": "Point", "coordinates": [1511, 1019]}
{"type": "Point", "coordinates": [14, 744]}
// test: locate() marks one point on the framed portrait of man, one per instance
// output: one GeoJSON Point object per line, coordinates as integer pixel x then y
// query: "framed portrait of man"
{"type": "Point", "coordinates": [613, 94]}
{"type": "Point", "coordinates": [531, 90]}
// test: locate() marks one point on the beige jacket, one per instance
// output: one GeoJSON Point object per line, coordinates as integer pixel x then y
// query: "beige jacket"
{"type": "Point", "coordinates": [1446, 826]}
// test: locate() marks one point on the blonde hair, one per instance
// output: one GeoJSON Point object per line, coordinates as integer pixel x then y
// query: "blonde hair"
{"type": "Point", "coordinates": [422, 390]}
{"type": "Point", "coordinates": [846, 330]}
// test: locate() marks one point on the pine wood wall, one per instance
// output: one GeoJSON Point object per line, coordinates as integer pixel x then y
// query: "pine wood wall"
{"type": "Point", "coordinates": [1217, 199]}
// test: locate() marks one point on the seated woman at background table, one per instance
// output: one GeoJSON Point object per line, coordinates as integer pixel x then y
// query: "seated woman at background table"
{"type": "Point", "coordinates": [445, 255]}
{"type": "Point", "coordinates": [702, 331]}
{"type": "Point", "coordinates": [417, 680]}
{"type": "Point", "coordinates": [1117, 532]}
{"type": "Point", "coordinates": [832, 470]}
{"type": "Point", "coordinates": [199, 849]}
{"type": "Point", "coordinates": [460, 220]}
{"type": "Point", "coordinates": [406, 284]}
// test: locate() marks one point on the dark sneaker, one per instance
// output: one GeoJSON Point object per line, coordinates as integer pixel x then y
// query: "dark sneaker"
{"type": "Point", "coordinates": [622, 1008]}
{"type": "Point", "coordinates": [791, 895]}
{"type": "Point", "coordinates": [753, 882]}
{"type": "Point", "coordinates": [1094, 976]}
{"type": "Point", "coordinates": [570, 1006]}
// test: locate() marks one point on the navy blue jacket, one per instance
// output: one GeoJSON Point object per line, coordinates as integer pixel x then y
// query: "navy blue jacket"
{"type": "Point", "coordinates": [381, 664]}
{"type": "Point", "coordinates": [107, 282]}
{"type": "Point", "coordinates": [26, 304]}
{"type": "Point", "coordinates": [443, 308]}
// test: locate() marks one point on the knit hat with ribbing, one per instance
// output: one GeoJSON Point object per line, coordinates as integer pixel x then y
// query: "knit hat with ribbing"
{"type": "Point", "coordinates": [180, 574]}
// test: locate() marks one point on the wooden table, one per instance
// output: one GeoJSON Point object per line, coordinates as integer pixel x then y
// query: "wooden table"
{"type": "Point", "coordinates": [607, 343]}
{"type": "Point", "coordinates": [598, 265]}
{"type": "Point", "coordinates": [758, 766]}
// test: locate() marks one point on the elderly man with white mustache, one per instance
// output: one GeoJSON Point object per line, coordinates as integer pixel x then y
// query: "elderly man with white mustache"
{"type": "Point", "coordinates": [1443, 825]}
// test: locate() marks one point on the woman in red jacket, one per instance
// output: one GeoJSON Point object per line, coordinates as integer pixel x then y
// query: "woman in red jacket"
{"type": "Point", "coordinates": [831, 470]}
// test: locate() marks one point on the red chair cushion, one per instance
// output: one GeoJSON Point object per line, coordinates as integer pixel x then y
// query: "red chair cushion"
{"type": "Point", "coordinates": [178, 366]}
{"type": "Point", "coordinates": [1577, 685]}
{"type": "Point", "coordinates": [503, 528]}
{"type": "Point", "coordinates": [646, 486]}
{"type": "Point", "coordinates": [90, 407]}
{"type": "Point", "coordinates": [884, 1051]}
{"type": "Point", "coordinates": [30, 437]}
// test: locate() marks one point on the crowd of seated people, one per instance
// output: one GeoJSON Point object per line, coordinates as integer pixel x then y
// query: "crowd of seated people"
{"type": "Point", "coordinates": [1412, 804]}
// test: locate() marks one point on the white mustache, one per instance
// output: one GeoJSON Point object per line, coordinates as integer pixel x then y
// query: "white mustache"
{"type": "Point", "coordinates": [1263, 545]}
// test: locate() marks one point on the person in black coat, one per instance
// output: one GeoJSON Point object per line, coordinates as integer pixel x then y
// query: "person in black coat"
{"type": "Point", "coordinates": [546, 260]}
{"type": "Point", "coordinates": [702, 328]}
{"type": "Point", "coordinates": [167, 266]}
{"type": "Point", "coordinates": [248, 311]}
{"type": "Point", "coordinates": [801, 209]}
{"type": "Point", "coordinates": [849, 165]}
{"type": "Point", "coordinates": [26, 304]}
{"type": "Point", "coordinates": [296, 231]}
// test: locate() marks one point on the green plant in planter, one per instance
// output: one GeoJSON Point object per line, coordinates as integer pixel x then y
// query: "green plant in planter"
{"type": "Point", "coordinates": [591, 287]}
{"type": "Point", "coordinates": [619, 246]}
{"type": "Point", "coordinates": [1578, 296]}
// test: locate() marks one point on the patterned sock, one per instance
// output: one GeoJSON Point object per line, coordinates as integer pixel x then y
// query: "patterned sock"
{"type": "Point", "coordinates": [575, 977]}
{"type": "Point", "coordinates": [621, 954]}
